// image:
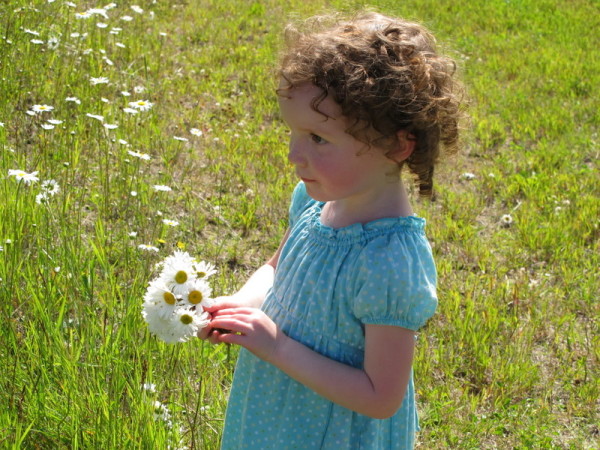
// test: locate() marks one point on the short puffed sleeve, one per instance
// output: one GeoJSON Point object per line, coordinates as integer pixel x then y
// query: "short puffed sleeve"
{"type": "Point", "coordinates": [301, 201]}
{"type": "Point", "coordinates": [396, 281]}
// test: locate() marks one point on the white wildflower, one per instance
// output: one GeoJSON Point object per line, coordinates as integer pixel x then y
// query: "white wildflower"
{"type": "Point", "coordinates": [143, 156]}
{"type": "Point", "coordinates": [142, 105]}
{"type": "Point", "coordinates": [23, 176]}
{"type": "Point", "coordinates": [162, 188]}
{"type": "Point", "coordinates": [99, 80]}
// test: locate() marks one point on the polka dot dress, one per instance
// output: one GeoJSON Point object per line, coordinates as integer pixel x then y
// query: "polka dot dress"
{"type": "Point", "coordinates": [329, 283]}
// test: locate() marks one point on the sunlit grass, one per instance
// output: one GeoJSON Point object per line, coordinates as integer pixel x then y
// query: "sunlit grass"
{"type": "Point", "coordinates": [509, 361]}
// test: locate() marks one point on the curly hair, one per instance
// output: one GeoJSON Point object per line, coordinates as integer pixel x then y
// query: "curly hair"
{"type": "Point", "coordinates": [386, 76]}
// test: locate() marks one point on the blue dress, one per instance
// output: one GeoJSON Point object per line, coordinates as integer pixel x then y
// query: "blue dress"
{"type": "Point", "coordinates": [328, 284]}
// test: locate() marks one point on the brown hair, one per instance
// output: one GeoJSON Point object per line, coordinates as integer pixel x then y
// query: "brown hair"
{"type": "Point", "coordinates": [386, 76]}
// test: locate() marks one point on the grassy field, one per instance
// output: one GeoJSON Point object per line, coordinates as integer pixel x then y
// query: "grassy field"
{"type": "Point", "coordinates": [105, 104]}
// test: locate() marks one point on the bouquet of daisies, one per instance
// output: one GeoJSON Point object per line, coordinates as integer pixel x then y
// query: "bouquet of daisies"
{"type": "Point", "coordinates": [174, 301]}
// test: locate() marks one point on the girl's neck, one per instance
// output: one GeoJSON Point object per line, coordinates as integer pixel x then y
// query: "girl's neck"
{"type": "Point", "coordinates": [394, 203]}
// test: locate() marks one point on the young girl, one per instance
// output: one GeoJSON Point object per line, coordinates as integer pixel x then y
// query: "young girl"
{"type": "Point", "coordinates": [328, 323]}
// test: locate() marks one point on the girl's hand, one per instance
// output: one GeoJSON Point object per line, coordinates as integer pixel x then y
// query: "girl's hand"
{"type": "Point", "coordinates": [249, 327]}
{"type": "Point", "coordinates": [211, 333]}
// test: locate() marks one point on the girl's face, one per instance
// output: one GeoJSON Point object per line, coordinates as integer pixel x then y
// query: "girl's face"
{"type": "Point", "coordinates": [333, 164]}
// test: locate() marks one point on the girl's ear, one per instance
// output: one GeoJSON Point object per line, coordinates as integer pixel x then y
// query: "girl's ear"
{"type": "Point", "coordinates": [404, 146]}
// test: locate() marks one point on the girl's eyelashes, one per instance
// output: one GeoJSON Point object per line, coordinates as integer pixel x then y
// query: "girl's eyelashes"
{"type": "Point", "coordinates": [317, 139]}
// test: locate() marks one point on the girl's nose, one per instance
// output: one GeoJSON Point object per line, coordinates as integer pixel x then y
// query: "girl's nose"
{"type": "Point", "coordinates": [295, 155]}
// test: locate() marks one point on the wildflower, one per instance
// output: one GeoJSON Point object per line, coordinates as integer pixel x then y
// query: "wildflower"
{"type": "Point", "coordinates": [102, 25]}
{"type": "Point", "coordinates": [125, 93]}
{"type": "Point", "coordinates": [142, 105]}
{"type": "Point", "coordinates": [149, 248]}
{"type": "Point", "coordinates": [149, 387]}
{"type": "Point", "coordinates": [42, 198]}
{"type": "Point", "coordinates": [53, 43]}
{"type": "Point", "coordinates": [2, 124]}
{"type": "Point", "coordinates": [127, 18]}
{"type": "Point", "coordinates": [171, 223]}
{"type": "Point", "coordinates": [123, 142]}
{"type": "Point", "coordinates": [28, 31]}
{"type": "Point", "coordinates": [20, 175]}
{"type": "Point", "coordinates": [133, 193]}
{"type": "Point", "coordinates": [130, 111]}
{"type": "Point", "coordinates": [118, 44]}
{"type": "Point", "coordinates": [99, 80]}
{"type": "Point", "coordinates": [199, 292]}
{"type": "Point", "coordinates": [98, 11]}
{"type": "Point", "coordinates": [468, 176]}
{"type": "Point", "coordinates": [110, 126]}
{"type": "Point", "coordinates": [143, 156]}
{"type": "Point", "coordinates": [47, 126]}
{"type": "Point", "coordinates": [41, 108]}
{"type": "Point", "coordinates": [83, 15]}
{"type": "Point", "coordinates": [186, 324]}
{"type": "Point", "coordinates": [73, 99]}
{"type": "Point", "coordinates": [162, 188]}
{"type": "Point", "coordinates": [506, 220]}
{"type": "Point", "coordinates": [139, 89]}
{"type": "Point", "coordinates": [95, 116]}
{"type": "Point", "coordinates": [50, 187]}
{"type": "Point", "coordinates": [137, 9]}
{"type": "Point", "coordinates": [159, 300]}
{"type": "Point", "coordinates": [1, 248]}
{"type": "Point", "coordinates": [204, 269]}
{"type": "Point", "coordinates": [178, 271]}
{"type": "Point", "coordinates": [132, 234]}
{"type": "Point", "coordinates": [36, 41]}
{"type": "Point", "coordinates": [161, 412]}
{"type": "Point", "coordinates": [196, 132]}
{"type": "Point", "coordinates": [182, 139]}
{"type": "Point", "coordinates": [55, 122]}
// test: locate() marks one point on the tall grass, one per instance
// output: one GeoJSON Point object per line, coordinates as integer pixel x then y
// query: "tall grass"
{"type": "Point", "coordinates": [509, 361]}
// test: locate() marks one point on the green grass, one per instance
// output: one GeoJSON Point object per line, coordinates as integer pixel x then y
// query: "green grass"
{"type": "Point", "coordinates": [509, 361]}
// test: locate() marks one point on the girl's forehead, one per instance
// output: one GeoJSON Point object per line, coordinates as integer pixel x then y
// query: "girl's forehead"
{"type": "Point", "coordinates": [309, 95]}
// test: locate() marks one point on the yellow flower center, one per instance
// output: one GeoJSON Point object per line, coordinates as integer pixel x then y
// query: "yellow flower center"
{"type": "Point", "coordinates": [201, 274]}
{"type": "Point", "coordinates": [195, 297]}
{"type": "Point", "coordinates": [181, 277]}
{"type": "Point", "coordinates": [186, 319]}
{"type": "Point", "coordinates": [169, 298]}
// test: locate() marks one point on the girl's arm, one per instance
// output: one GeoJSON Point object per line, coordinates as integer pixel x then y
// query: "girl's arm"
{"type": "Point", "coordinates": [377, 390]}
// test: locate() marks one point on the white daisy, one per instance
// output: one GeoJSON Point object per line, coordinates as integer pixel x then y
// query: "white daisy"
{"type": "Point", "coordinates": [127, 18]}
{"type": "Point", "coordinates": [182, 139]}
{"type": "Point", "coordinates": [171, 223]}
{"type": "Point", "coordinates": [159, 300]}
{"type": "Point", "coordinates": [149, 248]}
{"type": "Point", "coordinates": [41, 108]}
{"type": "Point", "coordinates": [98, 11]}
{"type": "Point", "coordinates": [139, 155]}
{"type": "Point", "coordinates": [110, 126]}
{"type": "Point", "coordinates": [506, 220]}
{"type": "Point", "coordinates": [50, 187]}
{"type": "Point", "coordinates": [28, 31]}
{"type": "Point", "coordinates": [196, 132]}
{"type": "Point", "coordinates": [142, 105]}
{"type": "Point", "coordinates": [95, 116]}
{"type": "Point", "coordinates": [102, 25]}
{"type": "Point", "coordinates": [139, 89]}
{"type": "Point", "coordinates": [99, 80]}
{"type": "Point", "coordinates": [23, 176]}
{"type": "Point", "coordinates": [162, 188]}
{"type": "Point", "coordinates": [55, 122]}
{"type": "Point", "coordinates": [199, 293]}
{"type": "Point", "coordinates": [73, 99]}
{"type": "Point", "coordinates": [177, 272]}
{"type": "Point", "coordinates": [83, 15]}
{"type": "Point", "coordinates": [36, 41]}
{"type": "Point", "coordinates": [468, 176]}
{"type": "Point", "coordinates": [204, 269]}
{"type": "Point", "coordinates": [149, 387]}
{"type": "Point", "coordinates": [137, 9]}
{"type": "Point", "coordinates": [130, 111]}
{"type": "Point", "coordinates": [185, 324]}
{"type": "Point", "coordinates": [47, 126]}
{"type": "Point", "coordinates": [41, 198]}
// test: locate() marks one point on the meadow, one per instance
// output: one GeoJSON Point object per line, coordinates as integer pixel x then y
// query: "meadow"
{"type": "Point", "coordinates": [131, 130]}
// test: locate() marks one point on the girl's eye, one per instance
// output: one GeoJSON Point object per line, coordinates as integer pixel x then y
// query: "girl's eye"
{"type": "Point", "coordinates": [317, 139]}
